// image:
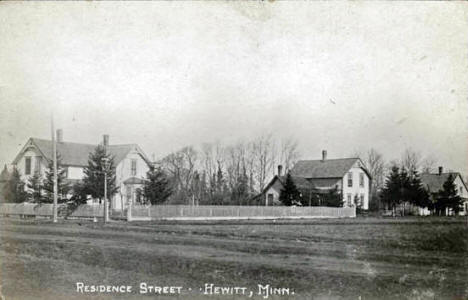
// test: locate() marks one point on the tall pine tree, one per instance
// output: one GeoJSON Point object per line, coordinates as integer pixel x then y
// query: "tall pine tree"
{"type": "Point", "coordinates": [156, 188]}
{"type": "Point", "coordinates": [62, 185]}
{"type": "Point", "coordinates": [14, 189]}
{"type": "Point", "coordinates": [93, 181]}
{"type": "Point", "coordinates": [392, 191]}
{"type": "Point", "coordinates": [289, 194]}
{"type": "Point", "coordinates": [35, 188]}
{"type": "Point", "coordinates": [418, 195]}
{"type": "Point", "coordinates": [448, 197]}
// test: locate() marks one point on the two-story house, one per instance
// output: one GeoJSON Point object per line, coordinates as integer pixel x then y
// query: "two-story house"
{"type": "Point", "coordinates": [131, 163]}
{"type": "Point", "coordinates": [347, 175]}
{"type": "Point", "coordinates": [434, 182]}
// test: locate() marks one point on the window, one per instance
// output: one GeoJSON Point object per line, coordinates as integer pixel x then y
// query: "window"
{"type": "Point", "coordinates": [349, 200]}
{"type": "Point", "coordinates": [27, 165]}
{"type": "Point", "coordinates": [361, 179]}
{"type": "Point", "coordinates": [350, 179]}
{"type": "Point", "coordinates": [461, 191]}
{"type": "Point", "coordinates": [361, 200]}
{"type": "Point", "coordinates": [37, 168]}
{"type": "Point", "coordinates": [134, 167]}
{"type": "Point", "coordinates": [270, 199]}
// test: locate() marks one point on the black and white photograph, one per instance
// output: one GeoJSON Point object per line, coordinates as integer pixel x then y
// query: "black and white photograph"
{"type": "Point", "coordinates": [234, 150]}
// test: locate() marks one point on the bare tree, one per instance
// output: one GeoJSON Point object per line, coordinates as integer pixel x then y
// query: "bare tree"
{"type": "Point", "coordinates": [410, 160]}
{"type": "Point", "coordinates": [375, 164]}
{"type": "Point", "coordinates": [264, 159]}
{"type": "Point", "coordinates": [289, 154]}
{"type": "Point", "coordinates": [428, 164]}
{"type": "Point", "coordinates": [181, 168]}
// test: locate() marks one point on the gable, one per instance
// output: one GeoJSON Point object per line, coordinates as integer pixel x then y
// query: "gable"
{"type": "Point", "coordinates": [435, 182]}
{"type": "Point", "coordinates": [77, 154]}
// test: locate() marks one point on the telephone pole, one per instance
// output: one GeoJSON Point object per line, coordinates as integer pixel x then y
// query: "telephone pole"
{"type": "Point", "coordinates": [54, 157]}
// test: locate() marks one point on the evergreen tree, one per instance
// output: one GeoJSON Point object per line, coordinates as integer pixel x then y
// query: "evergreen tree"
{"type": "Point", "coordinates": [219, 195]}
{"type": "Point", "coordinates": [14, 189]}
{"type": "Point", "coordinates": [63, 187]}
{"type": "Point", "coordinates": [448, 197]}
{"type": "Point", "coordinates": [203, 188]}
{"type": "Point", "coordinates": [243, 187]}
{"type": "Point", "coordinates": [289, 193]}
{"type": "Point", "coordinates": [35, 188]}
{"type": "Point", "coordinates": [392, 191]}
{"type": "Point", "coordinates": [219, 180]}
{"type": "Point", "coordinates": [93, 181]}
{"type": "Point", "coordinates": [156, 188]}
{"type": "Point", "coordinates": [79, 193]}
{"type": "Point", "coordinates": [405, 186]}
{"type": "Point", "coordinates": [419, 196]}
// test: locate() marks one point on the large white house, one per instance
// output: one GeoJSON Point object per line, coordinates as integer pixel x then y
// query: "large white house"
{"type": "Point", "coordinates": [130, 162]}
{"type": "Point", "coordinates": [347, 175]}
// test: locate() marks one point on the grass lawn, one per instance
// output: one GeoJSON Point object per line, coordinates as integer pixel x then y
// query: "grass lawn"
{"type": "Point", "coordinates": [363, 258]}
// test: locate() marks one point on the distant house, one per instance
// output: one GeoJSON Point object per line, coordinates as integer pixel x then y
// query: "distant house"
{"type": "Point", "coordinates": [314, 177]}
{"type": "Point", "coordinates": [130, 162]}
{"type": "Point", "coordinates": [433, 183]}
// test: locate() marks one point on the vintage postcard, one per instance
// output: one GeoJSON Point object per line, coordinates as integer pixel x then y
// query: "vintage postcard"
{"type": "Point", "coordinates": [233, 150]}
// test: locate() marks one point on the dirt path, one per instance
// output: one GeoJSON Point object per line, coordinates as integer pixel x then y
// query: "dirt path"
{"type": "Point", "coordinates": [330, 265]}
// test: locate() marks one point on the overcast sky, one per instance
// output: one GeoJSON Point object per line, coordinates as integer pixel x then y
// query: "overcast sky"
{"type": "Point", "coordinates": [336, 76]}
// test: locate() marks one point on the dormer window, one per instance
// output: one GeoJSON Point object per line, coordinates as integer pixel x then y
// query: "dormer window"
{"type": "Point", "coordinates": [27, 165]}
{"type": "Point", "coordinates": [350, 179]}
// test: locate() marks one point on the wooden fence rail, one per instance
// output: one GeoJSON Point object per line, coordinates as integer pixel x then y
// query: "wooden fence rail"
{"type": "Point", "coordinates": [239, 212]}
{"type": "Point", "coordinates": [159, 212]}
{"type": "Point", "coordinates": [46, 210]}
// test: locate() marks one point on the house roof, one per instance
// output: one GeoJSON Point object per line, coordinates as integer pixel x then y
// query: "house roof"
{"type": "Point", "coordinates": [435, 182]}
{"type": "Point", "coordinates": [299, 182]}
{"type": "Point", "coordinates": [304, 184]}
{"type": "Point", "coordinates": [77, 154]}
{"type": "Point", "coordinates": [329, 168]}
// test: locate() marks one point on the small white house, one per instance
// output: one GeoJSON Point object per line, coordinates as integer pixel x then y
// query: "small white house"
{"type": "Point", "coordinates": [130, 162]}
{"type": "Point", "coordinates": [347, 175]}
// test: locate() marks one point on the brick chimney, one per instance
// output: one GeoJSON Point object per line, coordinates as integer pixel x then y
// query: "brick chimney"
{"type": "Point", "coordinates": [59, 135]}
{"type": "Point", "coordinates": [105, 140]}
{"type": "Point", "coordinates": [324, 155]}
{"type": "Point", "coordinates": [441, 170]}
{"type": "Point", "coordinates": [280, 170]}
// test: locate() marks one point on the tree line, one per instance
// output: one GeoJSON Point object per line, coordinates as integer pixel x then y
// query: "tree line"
{"type": "Point", "coordinates": [233, 174]}
{"type": "Point", "coordinates": [226, 174]}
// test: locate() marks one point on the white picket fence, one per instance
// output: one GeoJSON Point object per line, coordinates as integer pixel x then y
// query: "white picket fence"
{"type": "Point", "coordinates": [184, 212]}
{"type": "Point", "coordinates": [46, 210]}
{"type": "Point", "coordinates": [213, 212]}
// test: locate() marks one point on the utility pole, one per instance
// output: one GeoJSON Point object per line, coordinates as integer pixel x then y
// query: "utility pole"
{"type": "Point", "coordinates": [54, 157]}
{"type": "Point", "coordinates": [106, 206]}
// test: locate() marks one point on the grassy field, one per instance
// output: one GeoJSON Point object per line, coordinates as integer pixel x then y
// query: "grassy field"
{"type": "Point", "coordinates": [363, 258]}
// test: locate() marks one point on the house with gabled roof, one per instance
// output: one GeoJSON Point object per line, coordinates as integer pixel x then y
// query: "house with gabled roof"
{"type": "Point", "coordinates": [130, 161]}
{"type": "Point", "coordinates": [434, 182]}
{"type": "Point", "coordinates": [348, 176]}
